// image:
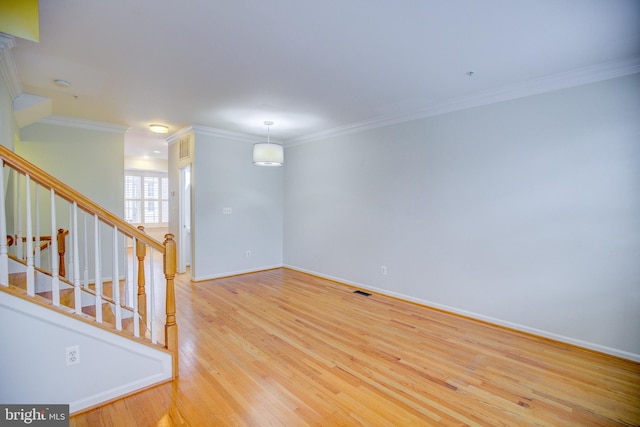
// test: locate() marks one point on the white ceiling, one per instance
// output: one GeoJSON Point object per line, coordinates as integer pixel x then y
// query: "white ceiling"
{"type": "Point", "coordinates": [311, 66]}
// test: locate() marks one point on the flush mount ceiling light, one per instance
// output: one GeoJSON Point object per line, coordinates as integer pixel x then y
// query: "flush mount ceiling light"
{"type": "Point", "coordinates": [155, 128]}
{"type": "Point", "coordinates": [62, 83]}
{"type": "Point", "coordinates": [268, 153]}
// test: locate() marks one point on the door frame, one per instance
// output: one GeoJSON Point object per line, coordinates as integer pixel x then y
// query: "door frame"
{"type": "Point", "coordinates": [184, 242]}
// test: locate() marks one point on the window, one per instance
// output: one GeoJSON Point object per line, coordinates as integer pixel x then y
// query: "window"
{"type": "Point", "coordinates": [146, 197]}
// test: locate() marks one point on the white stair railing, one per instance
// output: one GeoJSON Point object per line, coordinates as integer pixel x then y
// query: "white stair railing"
{"type": "Point", "coordinates": [37, 237]}
{"type": "Point", "coordinates": [128, 288]}
{"type": "Point", "coordinates": [136, 314]}
{"type": "Point", "coordinates": [55, 269]}
{"type": "Point", "coordinates": [4, 250]}
{"type": "Point", "coordinates": [151, 304]}
{"type": "Point", "coordinates": [140, 289]}
{"type": "Point", "coordinates": [31, 272]}
{"type": "Point", "coordinates": [85, 246]}
{"type": "Point", "coordinates": [98, 273]}
{"type": "Point", "coordinates": [77, 292]}
{"type": "Point", "coordinates": [18, 191]}
{"type": "Point", "coordinates": [115, 281]}
{"type": "Point", "coordinates": [73, 231]}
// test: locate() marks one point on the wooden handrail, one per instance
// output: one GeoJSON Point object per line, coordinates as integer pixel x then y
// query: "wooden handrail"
{"type": "Point", "coordinates": [46, 238]}
{"type": "Point", "coordinates": [69, 194]}
{"type": "Point", "coordinates": [60, 240]}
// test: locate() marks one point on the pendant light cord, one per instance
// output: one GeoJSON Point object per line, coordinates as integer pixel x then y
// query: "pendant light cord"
{"type": "Point", "coordinates": [268, 123]}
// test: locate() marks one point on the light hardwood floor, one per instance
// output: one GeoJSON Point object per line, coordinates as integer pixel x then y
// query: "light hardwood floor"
{"type": "Point", "coordinates": [285, 348]}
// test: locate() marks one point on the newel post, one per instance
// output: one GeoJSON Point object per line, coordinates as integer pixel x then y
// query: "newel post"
{"type": "Point", "coordinates": [170, 327]}
{"type": "Point", "coordinates": [62, 248]}
{"type": "Point", "coordinates": [141, 252]}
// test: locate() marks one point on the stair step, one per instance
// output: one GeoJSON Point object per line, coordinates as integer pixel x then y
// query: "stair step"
{"type": "Point", "coordinates": [67, 301]}
{"type": "Point", "coordinates": [107, 289]}
{"type": "Point", "coordinates": [67, 297]}
{"type": "Point", "coordinates": [19, 280]}
{"type": "Point", "coordinates": [127, 326]}
{"type": "Point", "coordinates": [107, 314]}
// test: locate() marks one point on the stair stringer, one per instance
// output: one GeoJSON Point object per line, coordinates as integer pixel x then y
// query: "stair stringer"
{"type": "Point", "coordinates": [110, 367]}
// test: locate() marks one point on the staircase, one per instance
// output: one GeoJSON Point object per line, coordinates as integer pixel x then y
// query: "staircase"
{"type": "Point", "coordinates": [114, 278]}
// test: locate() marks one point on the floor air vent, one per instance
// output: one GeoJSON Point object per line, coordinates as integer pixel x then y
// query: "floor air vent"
{"type": "Point", "coordinates": [366, 294]}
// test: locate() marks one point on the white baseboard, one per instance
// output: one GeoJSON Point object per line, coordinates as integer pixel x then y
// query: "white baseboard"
{"type": "Point", "coordinates": [522, 328]}
{"type": "Point", "coordinates": [106, 396]}
{"type": "Point", "coordinates": [235, 273]}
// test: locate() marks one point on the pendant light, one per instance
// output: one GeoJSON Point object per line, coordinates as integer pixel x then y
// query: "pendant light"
{"type": "Point", "coordinates": [268, 153]}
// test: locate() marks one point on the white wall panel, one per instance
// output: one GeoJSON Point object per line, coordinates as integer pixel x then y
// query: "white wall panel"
{"type": "Point", "coordinates": [33, 364]}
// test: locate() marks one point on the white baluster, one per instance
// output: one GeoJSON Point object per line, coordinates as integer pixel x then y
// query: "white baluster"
{"type": "Point", "coordinates": [55, 271]}
{"type": "Point", "coordinates": [19, 248]}
{"type": "Point", "coordinates": [152, 302]}
{"type": "Point", "coordinates": [86, 253]}
{"type": "Point", "coordinates": [31, 272]}
{"type": "Point", "coordinates": [136, 317]}
{"type": "Point", "coordinates": [98, 278]}
{"type": "Point", "coordinates": [4, 251]}
{"type": "Point", "coordinates": [37, 237]}
{"type": "Point", "coordinates": [127, 297]}
{"type": "Point", "coordinates": [73, 236]}
{"type": "Point", "coordinates": [4, 257]}
{"type": "Point", "coordinates": [76, 261]}
{"type": "Point", "coordinates": [115, 281]}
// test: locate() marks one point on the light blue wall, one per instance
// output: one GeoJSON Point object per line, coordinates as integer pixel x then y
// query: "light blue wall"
{"type": "Point", "coordinates": [89, 161]}
{"type": "Point", "coordinates": [8, 133]}
{"type": "Point", "coordinates": [8, 125]}
{"type": "Point", "coordinates": [224, 176]}
{"type": "Point", "coordinates": [525, 213]}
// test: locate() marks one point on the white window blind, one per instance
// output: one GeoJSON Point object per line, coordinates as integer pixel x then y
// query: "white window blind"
{"type": "Point", "coordinates": [146, 197]}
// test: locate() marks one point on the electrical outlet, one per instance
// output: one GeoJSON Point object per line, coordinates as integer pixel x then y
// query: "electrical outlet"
{"type": "Point", "coordinates": [73, 355]}
{"type": "Point", "coordinates": [383, 270]}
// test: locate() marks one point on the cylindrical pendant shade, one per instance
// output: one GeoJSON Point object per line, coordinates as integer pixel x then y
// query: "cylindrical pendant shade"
{"type": "Point", "coordinates": [268, 154]}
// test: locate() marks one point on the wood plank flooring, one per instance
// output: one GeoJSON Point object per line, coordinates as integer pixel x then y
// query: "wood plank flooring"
{"type": "Point", "coordinates": [282, 348]}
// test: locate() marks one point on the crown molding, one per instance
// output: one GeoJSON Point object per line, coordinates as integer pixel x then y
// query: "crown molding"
{"type": "Point", "coordinates": [217, 133]}
{"type": "Point", "coordinates": [226, 134]}
{"type": "Point", "coordinates": [83, 124]}
{"type": "Point", "coordinates": [8, 67]}
{"type": "Point", "coordinates": [179, 134]}
{"type": "Point", "coordinates": [229, 134]}
{"type": "Point", "coordinates": [578, 77]}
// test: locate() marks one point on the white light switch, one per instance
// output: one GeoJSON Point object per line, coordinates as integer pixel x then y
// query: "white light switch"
{"type": "Point", "coordinates": [227, 211]}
